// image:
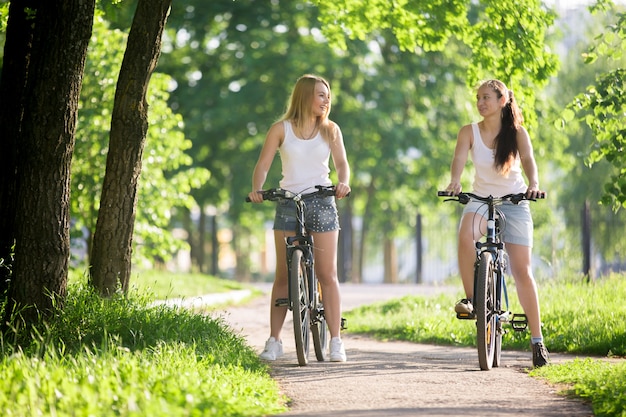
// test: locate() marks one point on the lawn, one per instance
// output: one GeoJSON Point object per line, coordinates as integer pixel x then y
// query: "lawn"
{"type": "Point", "coordinates": [126, 356]}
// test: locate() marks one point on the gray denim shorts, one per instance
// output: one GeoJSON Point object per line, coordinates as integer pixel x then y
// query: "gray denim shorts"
{"type": "Point", "coordinates": [517, 227]}
{"type": "Point", "coordinates": [320, 214]}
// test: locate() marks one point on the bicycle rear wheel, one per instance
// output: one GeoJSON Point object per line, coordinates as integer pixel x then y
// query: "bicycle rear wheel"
{"type": "Point", "coordinates": [319, 328]}
{"type": "Point", "coordinates": [486, 320]}
{"type": "Point", "coordinates": [299, 296]}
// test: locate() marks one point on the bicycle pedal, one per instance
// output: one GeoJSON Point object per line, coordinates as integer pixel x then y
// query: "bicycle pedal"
{"type": "Point", "coordinates": [466, 316]}
{"type": "Point", "coordinates": [344, 326]}
{"type": "Point", "coordinates": [282, 302]}
{"type": "Point", "coordinates": [519, 322]}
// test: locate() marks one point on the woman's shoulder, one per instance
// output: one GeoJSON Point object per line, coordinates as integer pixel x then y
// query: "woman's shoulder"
{"type": "Point", "coordinates": [279, 126]}
{"type": "Point", "coordinates": [467, 130]}
{"type": "Point", "coordinates": [276, 133]}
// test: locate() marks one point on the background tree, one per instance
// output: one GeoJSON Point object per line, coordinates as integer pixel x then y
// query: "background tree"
{"type": "Point", "coordinates": [112, 243]}
{"type": "Point", "coordinates": [166, 181]}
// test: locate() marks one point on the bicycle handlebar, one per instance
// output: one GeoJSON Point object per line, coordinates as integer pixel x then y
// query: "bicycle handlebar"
{"type": "Point", "coordinates": [465, 198]}
{"type": "Point", "coordinates": [274, 194]}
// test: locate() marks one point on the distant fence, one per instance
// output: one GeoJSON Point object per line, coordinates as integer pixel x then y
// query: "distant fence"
{"type": "Point", "coordinates": [591, 243]}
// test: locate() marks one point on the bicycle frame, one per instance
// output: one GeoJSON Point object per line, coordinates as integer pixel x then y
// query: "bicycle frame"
{"type": "Point", "coordinates": [494, 246]}
{"type": "Point", "coordinates": [302, 241]}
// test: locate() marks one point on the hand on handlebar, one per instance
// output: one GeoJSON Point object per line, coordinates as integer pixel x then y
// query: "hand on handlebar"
{"type": "Point", "coordinates": [255, 197]}
{"type": "Point", "coordinates": [534, 193]}
{"type": "Point", "coordinates": [454, 188]}
{"type": "Point", "coordinates": [342, 190]}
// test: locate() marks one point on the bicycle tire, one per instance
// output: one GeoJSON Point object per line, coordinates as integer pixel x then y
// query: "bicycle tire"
{"type": "Point", "coordinates": [497, 354]}
{"type": "Point", "coordinates": [319, 327]}
{"type": "Point", "coordinates": [299, 296]}
{"type": "Point", "coordinates": [486, 319]}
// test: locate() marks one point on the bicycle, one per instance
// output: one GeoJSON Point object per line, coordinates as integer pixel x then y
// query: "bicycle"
{"type": "Point", "coordinates": [489, 281]}
{"type": "Point", "coordinates": [305, 292]}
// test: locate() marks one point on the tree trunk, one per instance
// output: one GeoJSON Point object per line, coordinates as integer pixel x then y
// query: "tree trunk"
{"type": "Point", "coordinates": [358, 273]}
{"type": "Point", "coordinates": [17, 50]}
{"type": "Point", "coordinates": [346, 237]}
{"type": "Point", "coordinates": [390, 260]}
{"type": "Point", "coordinates": [112, 246]}
{"type": "Point", "coordinates": [46, 143]}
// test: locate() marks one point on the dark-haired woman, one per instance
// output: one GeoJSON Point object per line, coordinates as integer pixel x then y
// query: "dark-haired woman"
{"type": "Point", "coordinates": [502, 154]}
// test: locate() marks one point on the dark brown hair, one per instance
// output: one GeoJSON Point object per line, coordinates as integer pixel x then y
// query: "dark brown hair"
{"type": "Point", "coordinates": [506, 141]}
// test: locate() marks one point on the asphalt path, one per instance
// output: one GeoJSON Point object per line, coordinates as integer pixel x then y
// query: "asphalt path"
{"type": "Point", "coordinates": [400, 378]}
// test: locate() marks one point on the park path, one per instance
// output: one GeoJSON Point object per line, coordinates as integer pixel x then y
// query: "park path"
{"type": "Point", "coordinates": [400, 378]}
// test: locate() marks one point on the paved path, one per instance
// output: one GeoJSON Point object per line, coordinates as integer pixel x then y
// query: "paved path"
{"type": "Point", "coordinates": [401, 378]}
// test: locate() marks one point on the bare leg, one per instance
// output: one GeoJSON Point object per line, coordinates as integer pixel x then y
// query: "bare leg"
{"type": "Point", "coordinates": [519, 257]}
{"type": "Point", "coordinates": [280, 289]}
{"type": "Point", "coordinates": [469, 232]}
{"type": "Point", "coordinates": [325, 252]}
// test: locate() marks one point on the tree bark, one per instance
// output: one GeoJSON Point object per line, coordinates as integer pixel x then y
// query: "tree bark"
{"type": "Point", "coordinates": [390, 260]}
{"type": "Point", "coordinates": [17, 51]}
{"type": "Point", "coordinates": [357, 276]}
{"type": "Point", "coordinates": [112, 245]}
{"type": "Point", "coordinates": [45, 146]}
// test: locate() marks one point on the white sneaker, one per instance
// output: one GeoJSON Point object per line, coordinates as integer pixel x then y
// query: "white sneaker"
{"type": "Point", "coordinates": [273, 350]}
{"type": "Point", "coordinates": [337, 351]}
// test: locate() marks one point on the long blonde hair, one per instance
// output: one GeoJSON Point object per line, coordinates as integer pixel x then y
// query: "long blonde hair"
{"type": "Point", "coordinates": [299, 108]}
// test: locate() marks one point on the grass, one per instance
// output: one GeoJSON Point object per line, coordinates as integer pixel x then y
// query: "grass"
{"type": "Point", "coordinates": [125, 357]}
{"type": "Point", "coordinates": [586, 319]}
{"type": "Point", "coordinates": [167, 285]}
{"type": "Point", "coordinates": [599, 382]}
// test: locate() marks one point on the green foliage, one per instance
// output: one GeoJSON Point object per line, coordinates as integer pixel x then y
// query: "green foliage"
{"type": "Point", "coordinates": [506, 40]}
{"type": "Point", "coordinates": [606, 103]}
{"type": "Point", "coordinates": [4, 16]}
{"type": "Point", "coordinates": [418, 25]}
{"type": "Point", "coordinates": [603, 107]}
{"type": "Point", "coordinates": [601, 383]}
{"type": "Point", "coordinates": [120, 356]}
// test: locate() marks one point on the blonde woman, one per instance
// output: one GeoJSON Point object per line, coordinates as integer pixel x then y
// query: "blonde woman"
{"type": "Point", "coordinates": [306, 138]}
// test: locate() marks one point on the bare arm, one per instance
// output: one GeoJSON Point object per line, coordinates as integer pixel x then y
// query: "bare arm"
{"type": "Point", "coordinates": [340, 160]}
{"type": "Point", "coordinates": [273, 140]}
{"type": "Point", "coordinates": [525, 149]}
{"type": "Point", "coordinates": [464, 143]}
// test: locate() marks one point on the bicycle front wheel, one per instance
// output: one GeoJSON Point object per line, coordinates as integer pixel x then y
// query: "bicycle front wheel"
{"type": "Point", "coordinates": [299, 296]}
{"type": "Point", "coordinates": [497, 355]}
{"type": "Point", "coordinates": [484, 305]}
{"type": "Point", "coordinates": [319, 328]}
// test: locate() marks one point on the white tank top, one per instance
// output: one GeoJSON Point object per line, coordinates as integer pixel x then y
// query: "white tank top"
{"type": "Point", "coordinates": [488, 181]}
{"type": "Point", "coordinates": [304, 162]}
